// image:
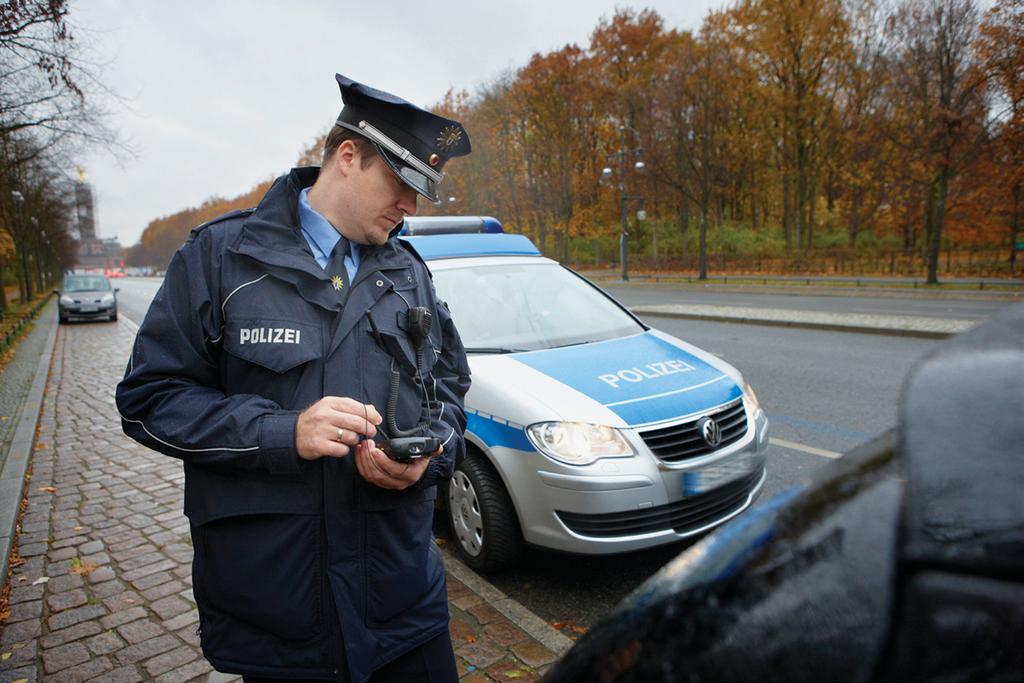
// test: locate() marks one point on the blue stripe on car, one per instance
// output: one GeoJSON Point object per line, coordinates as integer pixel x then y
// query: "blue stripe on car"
{"type": "Point", "coordinates": [495, 433]}
{"type": "Point", "coordinates": [641, 378]}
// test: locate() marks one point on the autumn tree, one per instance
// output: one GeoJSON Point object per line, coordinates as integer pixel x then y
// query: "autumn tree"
{"type": "Point", "coordinates": [795, 47]}
{"type": "Point", "coordinates": [863, 158]}
{"type": "Point", "coordinates": [1001, 51]}
{"type": "Point", "coordinates": [696, 105]}
{"type": "Point", "coordinates": [560, 145]}
{"type": "Point", "coordinates": [940, 100]}
{"type": "Point", "coordinates": [49, 110]}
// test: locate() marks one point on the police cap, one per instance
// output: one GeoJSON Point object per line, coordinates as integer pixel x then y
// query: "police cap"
{"type": "Point", "coordinates": [415, 143]}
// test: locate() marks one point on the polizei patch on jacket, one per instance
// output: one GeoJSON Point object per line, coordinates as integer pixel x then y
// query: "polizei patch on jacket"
{"type": "Point", "coordinates": [268, 335]}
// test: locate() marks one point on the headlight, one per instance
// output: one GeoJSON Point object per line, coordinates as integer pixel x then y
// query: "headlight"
{"type": "Point", "coordinates": [67, 300]}
{"type": "Point", "coordinates": [578, 443]}
{"type": "Point", "coordinates": [755, 405]}
{"type": "Point", "coordinates": [107, 299]}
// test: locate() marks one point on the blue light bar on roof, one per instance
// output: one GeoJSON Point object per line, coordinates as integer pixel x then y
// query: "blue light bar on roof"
{"type": "Point", "coordinates": [466, 245]}
{"type": "Point", "coordinates": [450, 225]}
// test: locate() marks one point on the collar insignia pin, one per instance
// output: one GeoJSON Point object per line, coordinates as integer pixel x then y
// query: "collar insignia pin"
{"type": "Point", "coordinates": [337, 282]}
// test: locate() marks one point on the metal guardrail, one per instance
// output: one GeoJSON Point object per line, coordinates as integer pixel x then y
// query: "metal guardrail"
{"type": "Point", "coordinates": [12, 333]}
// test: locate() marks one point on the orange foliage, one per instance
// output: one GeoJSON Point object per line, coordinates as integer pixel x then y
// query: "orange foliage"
{"type": "Point", "coordinates": [814, 121]}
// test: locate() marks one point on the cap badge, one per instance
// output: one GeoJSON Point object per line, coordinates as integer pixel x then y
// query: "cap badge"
{"type": "Point", "coordinates": [449, 137]}
{"type": "Point", "coordinates": [337, 282]}
{"type": "Point", "coordinates": [433, 159]}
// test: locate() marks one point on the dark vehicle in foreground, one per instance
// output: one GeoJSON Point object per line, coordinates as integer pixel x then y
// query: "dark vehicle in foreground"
{"type": "Point", "coordinates": [86, 296]}
{"type": "Point", "coordinates": [902, 561]}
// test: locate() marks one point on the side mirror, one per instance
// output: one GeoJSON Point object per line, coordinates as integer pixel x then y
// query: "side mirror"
{"type": "Point", "coordinates": [117, 289]}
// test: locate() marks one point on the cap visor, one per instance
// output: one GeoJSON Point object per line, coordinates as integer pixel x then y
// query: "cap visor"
{"type": "Point", "coordinates": [411, 177]}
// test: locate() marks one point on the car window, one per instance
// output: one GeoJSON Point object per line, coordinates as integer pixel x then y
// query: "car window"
{"type": "Point", "coordinates": [528, 307]}
{"type": "Point", "coordinates": [86, 283]}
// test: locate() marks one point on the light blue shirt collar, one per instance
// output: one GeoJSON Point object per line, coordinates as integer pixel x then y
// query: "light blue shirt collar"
{"type": "Point", "coordinates": [322, 236]}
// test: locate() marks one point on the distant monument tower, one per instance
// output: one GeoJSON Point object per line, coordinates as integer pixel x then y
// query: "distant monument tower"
{"type": "Point", "coordinates": [84, 208]}
{"type": "Point", "coordinates": [93, 252]}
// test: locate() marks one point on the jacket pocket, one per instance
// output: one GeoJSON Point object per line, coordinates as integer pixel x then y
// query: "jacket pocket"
{"type": "Point", "coordinates": [401, 571]}
{"type": "Point", "coordinates": [277, 345]}
{"type": "Point", "coordinates": [262, 570]}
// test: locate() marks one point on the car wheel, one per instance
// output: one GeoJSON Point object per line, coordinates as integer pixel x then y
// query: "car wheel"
{"type": "Point", "coordinates": [113, 317]}
{"type": "Point", "coordinates": [482, 518]}
{"type": "Point", "coordinates": [62, 319]}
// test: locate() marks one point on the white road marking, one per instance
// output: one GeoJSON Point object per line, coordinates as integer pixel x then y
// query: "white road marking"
{"type": "Point", "coordinates": [792, 445]}
{"type": "Point", "coordinates": [129, 323]}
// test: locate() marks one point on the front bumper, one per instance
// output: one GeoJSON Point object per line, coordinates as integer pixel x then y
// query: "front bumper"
{"type": "Point", "coordinates": [616, 506]}
{"type": "Point", "coordinates": [87, 311]}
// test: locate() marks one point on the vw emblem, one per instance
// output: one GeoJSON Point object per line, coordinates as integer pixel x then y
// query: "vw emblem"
{"type": "Point", "coordinates": [710, 430]}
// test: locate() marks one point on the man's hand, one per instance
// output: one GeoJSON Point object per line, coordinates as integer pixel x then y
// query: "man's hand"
{"type": "Point", "coordinates": [377, 468]}
{"type": "Point", "coordinates": [332, 425]}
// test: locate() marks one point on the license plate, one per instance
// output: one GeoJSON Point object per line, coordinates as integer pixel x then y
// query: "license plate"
{"type": "Point", "coordinates": [713, 476]}
{"type": "Point", "coordinates": [88, 309]}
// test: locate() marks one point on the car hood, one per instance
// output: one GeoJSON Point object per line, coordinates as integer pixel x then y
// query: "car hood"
{"type": "Point", "coordinates": [628, 382]}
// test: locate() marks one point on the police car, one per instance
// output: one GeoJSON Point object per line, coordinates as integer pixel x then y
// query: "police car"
{"type": "Point", "coordinates": [588, 431]}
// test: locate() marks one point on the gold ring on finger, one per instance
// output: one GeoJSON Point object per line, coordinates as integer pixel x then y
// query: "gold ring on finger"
{"type": "Point", "coordinates": [341, 434]}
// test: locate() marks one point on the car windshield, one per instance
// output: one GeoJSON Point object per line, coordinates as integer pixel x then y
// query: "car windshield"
{"type": "Point", "coordinates": [504, 308]}
{"type": "Point", "coordinates": [86, 283]}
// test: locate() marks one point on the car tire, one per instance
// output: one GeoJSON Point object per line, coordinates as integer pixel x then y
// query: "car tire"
{"type": "Point", "coordinates": [62, 319]}
{"type": "Point", "coordinates": [113, 317]}
{"type": "Point", "coordinates": [482, 518]}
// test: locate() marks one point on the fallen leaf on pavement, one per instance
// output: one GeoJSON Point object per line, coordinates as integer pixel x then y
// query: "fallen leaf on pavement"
{"type": "Point", "coordinates": [470, 639]}
{"type": "Point", "coordinates": [82, 567]}
{"type": "Point", "coordinates": [569, 624]}
{"type": "Point", "coordinates": [5, 656]}
{"type": "Point", "coordinates": [46, 489]}
{"type": "Point", "coordinates": [41, 579]}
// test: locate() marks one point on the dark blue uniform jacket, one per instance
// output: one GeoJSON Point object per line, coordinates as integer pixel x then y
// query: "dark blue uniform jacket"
{"type": "Point", "coordinates": [302, 568]}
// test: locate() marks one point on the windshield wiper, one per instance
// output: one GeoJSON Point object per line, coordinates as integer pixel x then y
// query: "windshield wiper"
{"type": "Point", "coordinates": [492, 349]}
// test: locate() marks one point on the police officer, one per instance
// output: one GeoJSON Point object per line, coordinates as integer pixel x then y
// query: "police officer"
{"type": "Point", "coordinates": [283, 342]}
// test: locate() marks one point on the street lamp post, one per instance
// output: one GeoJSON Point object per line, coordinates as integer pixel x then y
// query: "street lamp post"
{"type": "Point", "coordinates": [50, 258]}
{"type": "Point", "coordinates": [23, 248]}
{"type": "Point", "coordinates": [623, 197]}
{"type": "Point", "coordinates": [40, 285]}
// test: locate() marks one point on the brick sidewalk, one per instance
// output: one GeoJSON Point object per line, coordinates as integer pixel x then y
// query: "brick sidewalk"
{"type": "Point", "coordinates": [104, 590]}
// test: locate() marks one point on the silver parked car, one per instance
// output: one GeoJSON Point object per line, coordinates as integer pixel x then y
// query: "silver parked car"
{"type": "Point", "coordinates": [86, 296]}
{"type": "Point", "coordinates": [588, 431]}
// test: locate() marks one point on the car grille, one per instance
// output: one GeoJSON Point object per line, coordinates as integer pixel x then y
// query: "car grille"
{"type": "Point", "coordinates": [683, 516]}
{"type": "Point", "coordinates": [684, 441]}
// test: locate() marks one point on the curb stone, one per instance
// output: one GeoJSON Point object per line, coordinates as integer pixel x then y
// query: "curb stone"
{"type": "Point", "coordinates": [12, 479]}
{"type": "Point", "coordinates": [895, 325]}
{"type": "Point", "coordinates": [536, 627]}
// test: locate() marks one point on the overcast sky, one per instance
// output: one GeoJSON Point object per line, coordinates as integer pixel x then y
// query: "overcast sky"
{"type": "Point", "coordinates": [221, 94]}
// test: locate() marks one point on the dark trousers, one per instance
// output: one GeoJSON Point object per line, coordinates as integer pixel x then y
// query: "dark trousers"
{"type": "Point", "coordinates": [432, 662]}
